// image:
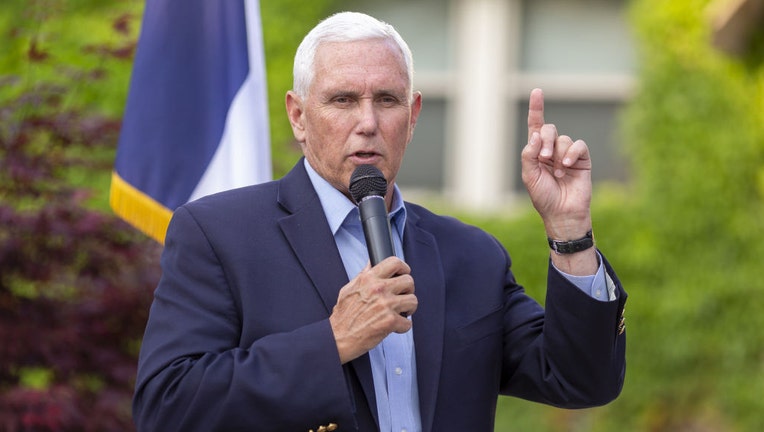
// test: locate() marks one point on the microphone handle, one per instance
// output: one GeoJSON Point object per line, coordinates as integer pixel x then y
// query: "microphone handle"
{"type": "Point", "coordinates": [376, 228]}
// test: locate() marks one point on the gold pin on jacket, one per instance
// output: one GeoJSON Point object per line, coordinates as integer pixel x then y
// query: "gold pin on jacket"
{"type": "Point", "coordinates": [328, 428]}
{"type": "Point", "coordinates": [622, 323]}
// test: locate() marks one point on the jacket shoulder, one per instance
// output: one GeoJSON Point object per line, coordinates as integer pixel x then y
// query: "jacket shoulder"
{"type": "Point", "coordinates": [450, 230]}
{"type": "Point", "coordinates": [231, 203]}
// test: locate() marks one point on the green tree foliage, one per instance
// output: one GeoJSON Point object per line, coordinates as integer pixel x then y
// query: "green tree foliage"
{"type": "Point", "coordinates": [81, 50]}
{"type": "Point", "coordinates": [75, 283]}
{"type": "Point", "coordinates": [76, 43]}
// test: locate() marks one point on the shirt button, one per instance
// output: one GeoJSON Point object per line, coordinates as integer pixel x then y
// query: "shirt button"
{"type": "Point", "coordinates": [399, 371]}
{"type": "Point", "coordinates": [599, 293]}
{"type": "Point", "coordinates": [404, 430]}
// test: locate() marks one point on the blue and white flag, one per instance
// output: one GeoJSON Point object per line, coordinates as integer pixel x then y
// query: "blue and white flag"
{"type": "Point", "coordinates": [196, 120]}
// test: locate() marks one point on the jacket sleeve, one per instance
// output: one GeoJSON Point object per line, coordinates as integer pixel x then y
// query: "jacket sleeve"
{"type": "Point", "coordinates": [195, 375]}
{"type": "Point", "coordinates": [572, 353]}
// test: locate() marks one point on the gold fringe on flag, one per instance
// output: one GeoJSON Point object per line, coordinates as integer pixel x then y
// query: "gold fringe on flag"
{"type": "Point", "coordinates": [138, 209]}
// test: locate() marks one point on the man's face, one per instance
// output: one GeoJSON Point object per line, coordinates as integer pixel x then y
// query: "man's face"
{"type": "Point", "coordinates": [357, 111]}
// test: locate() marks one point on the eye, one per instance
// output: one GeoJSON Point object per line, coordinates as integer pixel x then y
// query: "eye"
{"type": "Point", "coordinates": [388, 100]}
{"type": "Point", "coordinates": [342, 100]}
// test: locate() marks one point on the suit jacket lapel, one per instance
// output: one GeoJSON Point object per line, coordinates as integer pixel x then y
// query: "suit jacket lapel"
{"type": "Point", "coordinates": [307, 231]}
{"type": "Point", "coordinates": [420, 249]}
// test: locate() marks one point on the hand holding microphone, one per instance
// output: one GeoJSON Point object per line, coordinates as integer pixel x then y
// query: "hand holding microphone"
{"type": "Point", "coordinates": [379, 299]}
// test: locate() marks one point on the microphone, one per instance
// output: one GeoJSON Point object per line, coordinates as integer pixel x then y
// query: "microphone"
{"type": "Point", "coordinates": [368, 188]}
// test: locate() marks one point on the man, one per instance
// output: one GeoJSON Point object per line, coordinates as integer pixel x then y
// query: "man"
{"type": "Point", "coordinates": [269, 317]}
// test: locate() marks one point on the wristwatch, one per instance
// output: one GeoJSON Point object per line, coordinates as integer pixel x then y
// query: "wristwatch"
{"type": "Point", "coordinates": [572, 246]}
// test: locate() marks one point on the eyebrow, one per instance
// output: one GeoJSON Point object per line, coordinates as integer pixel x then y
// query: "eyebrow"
{"type": "Point", "coordinates": [356, 94]}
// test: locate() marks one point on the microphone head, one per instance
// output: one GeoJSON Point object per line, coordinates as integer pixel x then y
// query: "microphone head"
{"type": "Point", "coordinates": [367, 181]}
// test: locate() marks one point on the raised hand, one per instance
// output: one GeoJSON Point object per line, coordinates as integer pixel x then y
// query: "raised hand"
{"type": "Point", "coordinates": [557, 173]}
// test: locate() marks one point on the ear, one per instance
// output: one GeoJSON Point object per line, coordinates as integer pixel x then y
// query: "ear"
{"type": "Point", "coordinates": [294, 107]}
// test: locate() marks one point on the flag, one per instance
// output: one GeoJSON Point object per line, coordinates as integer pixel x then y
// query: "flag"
{"type": "Point", "coordinates": [196, 119]}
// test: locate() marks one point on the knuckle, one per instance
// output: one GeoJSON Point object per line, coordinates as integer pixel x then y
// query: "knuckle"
{"type": "Point", "coordinates": [408, 280]}
{"type": "Point", "coordinates": [549, 128]}
{"type": "Point", "coordinates": [376, 287]}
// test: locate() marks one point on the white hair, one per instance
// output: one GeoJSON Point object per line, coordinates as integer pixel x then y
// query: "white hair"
{"type": "Point", "coordinates": [344, 27]}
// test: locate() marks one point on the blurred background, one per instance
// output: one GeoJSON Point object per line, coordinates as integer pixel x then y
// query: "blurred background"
{"type": "Point", "coordinates": [668, 95]}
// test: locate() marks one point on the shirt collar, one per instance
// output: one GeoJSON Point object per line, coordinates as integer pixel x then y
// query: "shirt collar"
{"type": "Point", "coordinates": [337, 206]}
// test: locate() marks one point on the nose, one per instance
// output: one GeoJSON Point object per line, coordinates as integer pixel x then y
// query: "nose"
{"type": "Point", "coordinates": [367, 117]}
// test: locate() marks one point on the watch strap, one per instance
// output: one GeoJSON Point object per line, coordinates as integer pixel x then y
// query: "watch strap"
{"type": "Point", "coordinates": [572, 246]}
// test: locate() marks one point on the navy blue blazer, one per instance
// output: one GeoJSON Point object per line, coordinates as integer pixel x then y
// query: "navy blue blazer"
{"type": "Point", "coordinates": [238, 337]}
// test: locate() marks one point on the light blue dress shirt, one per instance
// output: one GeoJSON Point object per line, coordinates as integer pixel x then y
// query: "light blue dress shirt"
{"type": "Point", "coordinates": [393, 361]}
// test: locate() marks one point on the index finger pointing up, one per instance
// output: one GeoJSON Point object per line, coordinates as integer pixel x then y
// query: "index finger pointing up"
{"type": "Point", "coordinates": [535, 112]}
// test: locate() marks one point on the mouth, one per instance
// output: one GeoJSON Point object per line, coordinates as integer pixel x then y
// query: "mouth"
{"type": "Point", "coordinates": [365, 157]}
{"type": "Point", "coordinates": [365, 153]}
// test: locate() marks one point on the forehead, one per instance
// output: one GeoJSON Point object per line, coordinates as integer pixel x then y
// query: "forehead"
{"type": "Point", "coordinates": [367, 61]}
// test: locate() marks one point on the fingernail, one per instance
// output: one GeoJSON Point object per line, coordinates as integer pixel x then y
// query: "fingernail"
{"type": "Point", "coordinates": [559, 173]}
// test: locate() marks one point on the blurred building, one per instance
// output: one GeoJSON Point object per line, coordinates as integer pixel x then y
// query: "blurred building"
{"type": "Point", "coordinates": [476, 62]}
